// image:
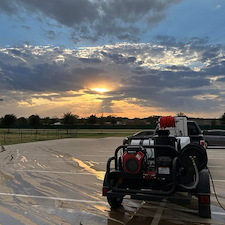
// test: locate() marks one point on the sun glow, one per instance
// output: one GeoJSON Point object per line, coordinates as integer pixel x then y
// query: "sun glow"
{"type": "Point", "coordinates": [100, 89]}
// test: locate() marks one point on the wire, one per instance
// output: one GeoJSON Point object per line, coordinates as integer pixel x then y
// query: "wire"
{"type": "Point", "coordinates": [215, 190]}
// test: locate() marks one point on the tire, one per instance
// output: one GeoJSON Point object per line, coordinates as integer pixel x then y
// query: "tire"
{"type": "Point", "coordinates": [204, 210]}
{"type": "Point", "coordinates": [115, 202]}
{"type": "Point", "coordinates": [203, 188]}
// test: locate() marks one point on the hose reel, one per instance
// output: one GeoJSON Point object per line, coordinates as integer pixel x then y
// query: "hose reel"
{"type": "Point", "coordinates": [167, 121]}
{"type": "Point", "coordinates": [193, 152]}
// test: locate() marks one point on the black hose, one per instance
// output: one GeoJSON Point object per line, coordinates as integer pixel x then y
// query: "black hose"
{"type": "Point", "coordinates": [197, 177]}
{"type": "Point", "coordinates": [215, 190]}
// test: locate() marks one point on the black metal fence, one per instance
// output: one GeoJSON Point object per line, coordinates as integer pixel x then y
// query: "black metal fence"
{"type": "Point", "coordinates": [13, 136]}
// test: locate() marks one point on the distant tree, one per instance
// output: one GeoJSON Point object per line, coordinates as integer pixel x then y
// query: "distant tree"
{"type": "Point", "coordinates": [213, 123]}
{"type": "Point", "coordinates": [34, 121]}
{"type": "Point", "coordinates": [22, 121]}
{"type": "Point", "coordinates": [54, 120]}
{"type": "Point", "coordinates": [181, 114]}
{"type": "Point", "coordinates": [152, 120]}
{"type": "Point", "coordinates": [69, 119]}
{"type": "Point", "coordinates": [9, 120]}
{"type": "Point", "coordinates": [222, 119]}
{"type": "Point", "coordinates": [83, 121]}
{"type": "Point", "coordinates": [46, 121]}
{"type": "Point", "coordinates": [111, 119]}
{"type": "Point", "coordinates": [92, 119]}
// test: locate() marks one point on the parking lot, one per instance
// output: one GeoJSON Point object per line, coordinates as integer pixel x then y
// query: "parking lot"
{"type": "Point", "coordinates": [60, 181]}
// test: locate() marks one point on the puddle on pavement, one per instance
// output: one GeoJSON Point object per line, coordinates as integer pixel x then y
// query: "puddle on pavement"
{"type": "Point", "coordinates": [170, 214]}
{"type": "Point", "coordinates": [73, 216]}
{"type": "Point", "coordinates": [10, 220]}
{"type": "Point", "coordinates": [99, 174]}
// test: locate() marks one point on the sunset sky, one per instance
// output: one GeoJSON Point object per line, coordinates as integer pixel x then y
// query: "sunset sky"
{"type": "Point", "coordinates": [130, 58]}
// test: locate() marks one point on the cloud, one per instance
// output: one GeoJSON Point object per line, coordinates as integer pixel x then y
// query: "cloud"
{"type": "Point", "coordinates": [92, 60]}
{"type": "Point", "coordinates": [171, 76]}
{"type": "Point", "coordinates": [119, 58]}
{"type": "Point", "coordinates": [8, 7]}
{"type": "Point", "coordinates": [51, 34]}
{"type": "Point", "coordinates": [95, 19]}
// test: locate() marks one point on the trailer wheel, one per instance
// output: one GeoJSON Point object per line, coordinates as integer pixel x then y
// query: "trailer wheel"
{"type": "Point", "coordinates": [204, 210]}
{"type": "Point", "coordinates": [115, 202]}
{"type": "Point", "coordinates": [203, 193]}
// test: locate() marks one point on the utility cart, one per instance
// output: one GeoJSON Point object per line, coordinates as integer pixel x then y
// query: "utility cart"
{"type": "Point", "coordinates": [162, 168]}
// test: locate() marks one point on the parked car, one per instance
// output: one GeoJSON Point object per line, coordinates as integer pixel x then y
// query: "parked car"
{"type": "Point", "coordinates": [145, 134]}
{"type": "Point", "coordinates": [195, 133]}
{"type": "Point", "coordinates": [193, 130]}
{"type": "Point", "coordinates": [215, 137]}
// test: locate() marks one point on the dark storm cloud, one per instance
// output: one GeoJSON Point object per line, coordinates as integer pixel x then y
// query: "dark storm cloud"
{"type": "Point", "coordinates": [178, 68]}
{"type": "Point", "coordinates": [42, 73]}
{"type": "Point", "coordinates": [90, 60]}
{"type": "Point", "coordinates": [119, 58]}
{"type": "Point", "coordinates": [8, 7]}
{"type": "Point", "coordinates": [26, 27]}
{"type": "Point", "coordinates": [15, 52]}
{"type": "Point", "coordinates": [51, 34]}
{"type": "Point", "coordinates": [49, 77]}
{"type": "Point", "coordinates": [169, 100]}
{"type": "Point", "coordinates": [216, 67]}
{"type": "Point", "coordinates": [95, 19]}
{"type": "Point", "coordinates": [169, 79]}
{"type": "Point", "coordinates": [173, 76]}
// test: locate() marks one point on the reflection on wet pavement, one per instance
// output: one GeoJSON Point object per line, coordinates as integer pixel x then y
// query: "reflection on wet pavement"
{"type": "Point", "coordinates": [57, 183]}
{"type": "Point", "coordinates": [99, 174]}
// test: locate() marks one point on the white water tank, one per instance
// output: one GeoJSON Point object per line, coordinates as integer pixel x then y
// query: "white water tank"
{"type": "Point", "coordinates": [181, 124]}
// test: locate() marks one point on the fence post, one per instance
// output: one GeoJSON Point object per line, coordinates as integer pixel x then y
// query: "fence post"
{"type": "Point", "coordinates": [4, 138]}
{"type": "Point", "coordinates": [21, 136]}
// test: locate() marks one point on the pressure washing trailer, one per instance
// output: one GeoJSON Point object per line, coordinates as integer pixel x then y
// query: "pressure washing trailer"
{"type": "Point", "coordinates": [163, 168]}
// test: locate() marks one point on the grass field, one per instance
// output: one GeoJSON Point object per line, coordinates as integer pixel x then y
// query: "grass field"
{"type": "Point", "coordinates": [15, 136]}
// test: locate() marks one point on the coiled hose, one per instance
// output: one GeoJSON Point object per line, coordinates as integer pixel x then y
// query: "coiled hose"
{"type": "Point", "coordinates": [196, 176]}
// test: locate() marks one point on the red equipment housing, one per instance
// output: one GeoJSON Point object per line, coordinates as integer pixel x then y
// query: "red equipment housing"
{"type": "Point", "coordinates": [167, 121]}
{"type": "Point", "coordinates": [132, 161]}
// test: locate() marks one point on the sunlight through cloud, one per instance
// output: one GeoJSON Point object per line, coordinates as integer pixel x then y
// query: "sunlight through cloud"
{"type": "Point", "coordinates": [100, 90]}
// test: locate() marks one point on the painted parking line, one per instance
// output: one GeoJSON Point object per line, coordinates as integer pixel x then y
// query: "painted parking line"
{"type": "Point", "coordinates": [219, 180]}
{"type": "Point", "coordinates": [95, 155]}
{"type": "Point", "coordinates": [222, 158]}
{"type": "Point", "coordinates": [215, 166]}
{"type": "Point", "coordinates": [158, 214]}
{"type": "Point", "coordinates": [155, 220]}
{"type": "Point", "coordinates": [57, 172]}
{"type": "Point", "coordinates": [53, 198]}
{"type": "Point", "coordinates": [218, 213]}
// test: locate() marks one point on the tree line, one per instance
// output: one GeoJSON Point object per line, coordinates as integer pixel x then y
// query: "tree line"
{"type": "Point", "coordinates": [35, 121]}
{"type": "Point", "coordinates": [10, 120]}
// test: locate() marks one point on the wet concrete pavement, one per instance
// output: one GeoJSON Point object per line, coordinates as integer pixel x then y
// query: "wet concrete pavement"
{"type": "Point", "coordinates": [59, 182]}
